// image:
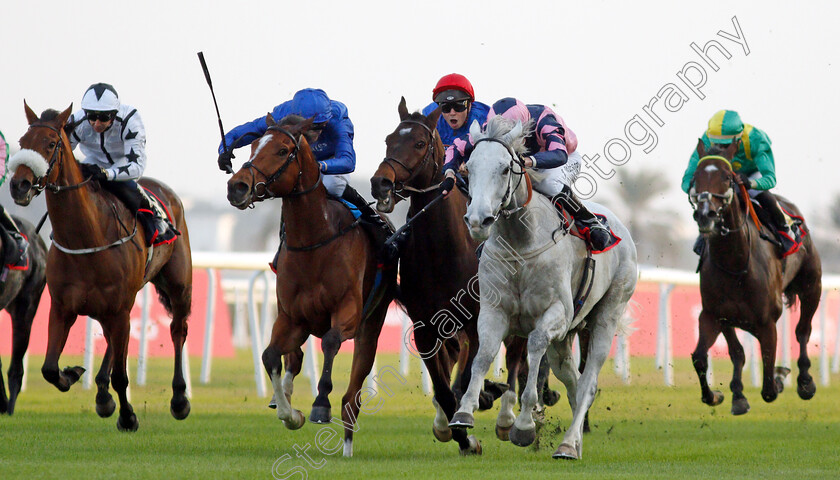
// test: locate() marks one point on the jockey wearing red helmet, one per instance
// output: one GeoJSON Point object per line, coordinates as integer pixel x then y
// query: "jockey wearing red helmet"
{"type": "Point", "coordinates": [455, 96]}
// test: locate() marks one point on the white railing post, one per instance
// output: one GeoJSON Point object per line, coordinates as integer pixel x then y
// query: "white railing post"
{"type": "Point", "coordinates": [835, 363]}
{"type": "Point", "coordinates": [143, 349]}
{"type": "Point", "coordinates": [664, 352]}
{"type": "Point", "coordinates": [405, 357]}
{"type": "Point", "coordinates": [209, 326]}
{"type": "Point", "coordinates": [310, 365]}
{"type": "Point", "coordinates": [185, 369]}
{"type": "Point", "coordinates": [825, 378]}
{"type": "Point", "coordinates": [786, 344]}
{"type": "Point", "coordinates": [240, 325]}
{"type": "Point", "coordinates": [426, 379]}
{"type": "Point", "coordinates": [87, 381]}
{"type": "Point", "coordinates": [25, 372]}
{"type": "Point", "coordinates": [256, 333]}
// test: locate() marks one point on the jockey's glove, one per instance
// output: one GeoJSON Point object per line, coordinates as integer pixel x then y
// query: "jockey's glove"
{"type": "Point", "coordinates": [447, 185]}
{"type": "Point", "coordinates": [746, 181]}
{"type": "Point", "coordinates": [95, 172]}
{"type": "Point", "coordinates": [225, 164]}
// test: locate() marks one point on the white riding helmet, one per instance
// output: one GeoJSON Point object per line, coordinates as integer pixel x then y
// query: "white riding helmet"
{"type": "Point", "coordinates": [101, 97]}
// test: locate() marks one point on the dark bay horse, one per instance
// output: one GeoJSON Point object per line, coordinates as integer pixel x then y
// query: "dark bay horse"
{"type": "Point", "coordinates": [98, 262]}
{"type": "Point", "coordinates": [438, 265]}
{"type": "Point", "coordinates": [742, 281]}
{"type": "Point", "coordinates": [19, 295]}
{"type": "Point", "coordinates": [326, 273]}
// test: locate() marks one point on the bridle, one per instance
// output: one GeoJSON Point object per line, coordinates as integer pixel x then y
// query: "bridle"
{"type": "Point", "coordinates": [41, 182]}
{"type": "Point", "coordinates": [269, 179]}
{"type": "Point", "coordinates": [412, 172]}
{"type": "Point", "coordinates": [507, 198]}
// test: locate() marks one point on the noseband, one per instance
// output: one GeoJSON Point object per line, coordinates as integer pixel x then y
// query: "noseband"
{"type": "Point", "coordinates": [508, 196]}
{"type": "Point", "coordinates": [41, 182]}
{"type": "Point", "coordinates": [412, 172]}
{"type": "Point", "coordinates": [269, 179]}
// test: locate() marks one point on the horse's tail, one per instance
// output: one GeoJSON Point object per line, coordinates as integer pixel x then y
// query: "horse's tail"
{"type": "Point", "coordinates": [790, 297]}
{"type": "Point", "coordinates": [628, 318]}
{"type": "Point", "coordinates": [167, 302]}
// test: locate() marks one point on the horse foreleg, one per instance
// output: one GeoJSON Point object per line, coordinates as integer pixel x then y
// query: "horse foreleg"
{"type": "Point", "coordinates": [364, 353]}
{"type": "Point", "coordinates": [330, 344]}
{"type": "Point", "coordinates": [22, 315]}
{"type": "Point", "coordinates": [524, 430]}
{"type": "Point", "coordinates": [766, 336]}
{"type": "Point", "coordinates": [492, 328]}
{"type": "Point", "coordinates": [105, 404]}
{"type": "Point", "coordinates": [709, 329]}
{"type": "Point", "coordinates": [285, 338]}
{"type": "Point", "coordinates": [58, 329]}
{"type": "Point", "coordinates": [740, 405]}
{"type": "Point", "coordinates": [116, 330]}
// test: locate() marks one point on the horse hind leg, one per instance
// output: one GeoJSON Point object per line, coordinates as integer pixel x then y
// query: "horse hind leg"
{"type": "Point", "coordinates": [105, 404]}
{"type": "Point", "coordinates": [116, 331]}
{"type": "Point", "coordinates": [767, 342]}
{"type": "Point", "coordinates": [330, 344]}
{"type": "Point", "coordinates": [174, 287]}
{"type": "Point", "coordinates": [809, 301]}
{"type": "Point", "coordinates": [740, 405]}
{"type": "Point", "coordinates": [22, 311]}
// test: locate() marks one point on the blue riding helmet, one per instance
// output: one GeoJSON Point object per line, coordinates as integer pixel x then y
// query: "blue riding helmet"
{"type": "Point", "coordinates": [312, 102]}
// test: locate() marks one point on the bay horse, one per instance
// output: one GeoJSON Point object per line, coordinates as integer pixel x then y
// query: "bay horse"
{"type": "Point", "coordinates": [742, 281]}
{"type": "Point", "coordinates": [96, 264]}
{"type": "Point", "coordinates": [530, 267]}
{"type": "Point", "coordinates": [20, 295]}
{"type": "Point", "coordinates": [326, 273]}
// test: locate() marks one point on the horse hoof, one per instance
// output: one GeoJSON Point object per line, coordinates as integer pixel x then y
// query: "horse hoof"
{"type": "Point", "coordinates": [72, 374]}
{"type": "Point", "coordinates": [771, 395]}
{"type": "Point", "coordinates": [503, 433]}
{"type": "Point", "coordinates": [462, 420]}
{"type": "Point", "coordinates": [179, 410]}
{"type": "Point", "coordinates": [740, 406]}
{"type": "Point", "coordinates": [473, 449]}
{"type": "Point", "coordinates": [779, 384]}
{"type": "Point", "coordinates": [297, 420]}
{"type": "Point", "coordinates": [106, 408]}
{"type": "Point", "coordinates": [717, 399]}
{"type": "Point", "coordinates": [565, 452]}
{"type": "Point", "coordinates": [522, 438]}
{"type": "Point", "coordinates": [273, 402]}
{"type": "Point", "coordinates": [550, 397]}
{"type": "Point", "coordinates": [129, 425]}
{"type": "Point", "coordinates": [320, 415]}
{"type": "Point", "coordinates": [807, 390]}
{"type": "Point", "coordinates": [442, 435]}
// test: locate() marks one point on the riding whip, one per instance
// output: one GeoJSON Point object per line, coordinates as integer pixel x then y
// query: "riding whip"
{"type": "Point", "coordinates": [210, 84]}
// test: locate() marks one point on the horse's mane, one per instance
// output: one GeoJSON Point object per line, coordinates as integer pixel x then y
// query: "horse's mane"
{"type": "Point", "coordinates": [294, 119]}
{"type": "Point", "coordinates": [49, 114]}
{"type": "Point", "coordinates": [498, 126]}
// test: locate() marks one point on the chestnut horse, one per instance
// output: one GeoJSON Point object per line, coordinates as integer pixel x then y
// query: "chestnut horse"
{"type": "Point", "coordinates": [742, 281]}
{"type": "Point", "coordinates": [20, 294]}
{"type": "Point", "coordinates": [328, 281]}
{"type": "Point", "coordinates": [98, 261]}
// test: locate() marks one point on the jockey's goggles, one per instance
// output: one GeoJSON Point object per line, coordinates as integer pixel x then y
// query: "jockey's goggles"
{"type": "Point", "coordinates": [101, 116]}
{"type": "Point", "coordinates": [459, 107]}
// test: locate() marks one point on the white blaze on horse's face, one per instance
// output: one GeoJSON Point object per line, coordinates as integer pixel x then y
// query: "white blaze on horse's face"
{"type": "Point", "coordinates": [263, 142]}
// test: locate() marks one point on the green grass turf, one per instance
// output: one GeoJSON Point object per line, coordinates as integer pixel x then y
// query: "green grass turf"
{"type": "Point", "coordinates": [643, 430]}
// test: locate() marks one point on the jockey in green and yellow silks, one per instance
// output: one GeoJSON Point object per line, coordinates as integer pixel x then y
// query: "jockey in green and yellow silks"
{"type": "Point", "coordinates": [753, 162]}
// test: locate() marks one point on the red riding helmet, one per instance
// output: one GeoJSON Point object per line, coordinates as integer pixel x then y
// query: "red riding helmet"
{"type": "Point", "coordinates": [452, 88]}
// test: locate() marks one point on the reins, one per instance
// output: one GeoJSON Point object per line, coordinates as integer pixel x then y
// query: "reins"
{"type": "Point", "coordinates": [508, 196]}
{"type": "Point", "coordinates": [412, 172]}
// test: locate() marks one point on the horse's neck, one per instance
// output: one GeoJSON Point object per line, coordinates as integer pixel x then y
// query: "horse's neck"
{"type": "Point", "coordinates": [530, 226]}
{"type": "Point", "coordinates": [307, 216]}
{"type": "Point", "coordinates": [77, 219]}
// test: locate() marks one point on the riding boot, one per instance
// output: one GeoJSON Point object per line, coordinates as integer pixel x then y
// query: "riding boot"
{"type": "Point", "coordinates": [768, 203]}
{"type": "Point", "coordinates": [374, 224]}
{"type": "Point", "coordinates": [599, 235]}
{"type": "Point", "coordinates": [160, 221]}
{"type": "Point", "coordinates": [14, 252]}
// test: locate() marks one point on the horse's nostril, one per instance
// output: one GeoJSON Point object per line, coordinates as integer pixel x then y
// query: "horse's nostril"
{"type": "Point", "coordinates": [487, 222]}
{"type": "Point", "coordinates": [712, 214]}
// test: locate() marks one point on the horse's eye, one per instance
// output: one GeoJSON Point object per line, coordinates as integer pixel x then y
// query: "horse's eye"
{"type": "Point", "coordinates": [52, 144]}
{"type": "Point", "coordinates": [283, 151]}
{"type": "Point", "coordinates": [419, 145]}
{"type": "Point", "coordinates": [506, 171]}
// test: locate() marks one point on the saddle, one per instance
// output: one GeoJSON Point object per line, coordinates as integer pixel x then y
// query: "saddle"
{"type": "Point", "coordinates": [787, 242]}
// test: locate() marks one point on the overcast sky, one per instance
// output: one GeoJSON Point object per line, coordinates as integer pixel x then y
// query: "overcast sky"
{"type": "Point", "coordinates": [596, 63]}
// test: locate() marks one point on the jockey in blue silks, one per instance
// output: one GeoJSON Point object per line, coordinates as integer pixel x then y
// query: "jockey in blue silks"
{"type": "Point", "coordinates": [333, 150]}
{"type": "Point", "coordinates": [551, 159]}
{"type": "Point", "coordinates": [455, 96]}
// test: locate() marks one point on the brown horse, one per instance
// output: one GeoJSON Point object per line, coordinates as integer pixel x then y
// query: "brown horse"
{"type": "Point", "coordinates": [438, 265]}
{"type": "Point", "coordinates": [20, 294]}
{"type": "Point", "coordinates": [328, 282]}
{"type": "Point", "coordinates": [96, 264]}
{"type": "Point", "coordinates": [742, 281]}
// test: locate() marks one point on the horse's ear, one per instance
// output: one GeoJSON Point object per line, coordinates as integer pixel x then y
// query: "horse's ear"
{"type": "Point", "coordinates": [701, 148]}
{"type": "Point", "coordinates": [63, 116]}
{"type": "Point", "coordinates": [432, 119]}
{"type": "Point", "coordinates": [269, 120]}
{"type": "Point", "coordinates": [732, 148]}
{"type": "Point", "coordinates": [31, 117]}
{"type": "Point", "coordinates": [306, 124]}
{"type": "Point", "coordinates": [475, 129]}
{"type": "Point", "coordinates": [514, 132]}
{"type": "Point", "coordinates": [402, 109]}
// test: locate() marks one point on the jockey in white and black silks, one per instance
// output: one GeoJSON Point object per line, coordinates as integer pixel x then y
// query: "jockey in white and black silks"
{"type": "Point", "coordinates": [112, 137]}
{"type": "Point", "coordinates": [14, 243]}
{"type": "Point", "coordinates": [551, 159]}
